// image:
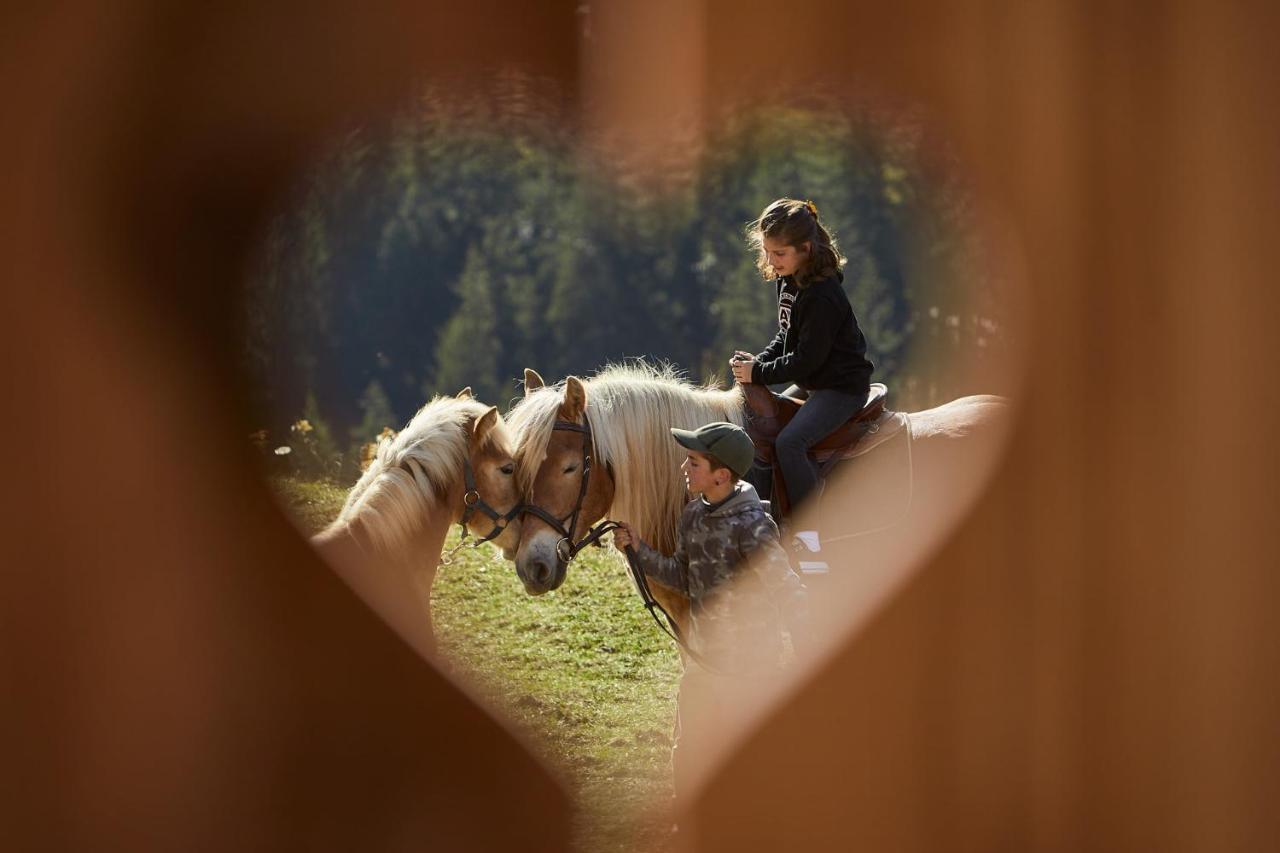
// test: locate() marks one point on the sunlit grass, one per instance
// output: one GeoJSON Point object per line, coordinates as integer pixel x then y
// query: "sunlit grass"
{"type": "Point", "coordinates": [583, 672]}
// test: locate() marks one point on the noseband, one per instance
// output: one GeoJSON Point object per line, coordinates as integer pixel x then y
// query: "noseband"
{"type": "Point", "coordinates": [566, 548]}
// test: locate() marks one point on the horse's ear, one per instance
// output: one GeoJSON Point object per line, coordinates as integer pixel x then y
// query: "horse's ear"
{"type": "Point", "coordinates": [465, 394]}
{"type": "Point", "coordinates": [483, 425]}
{"type": "Point", "coordinates": [532, 381]}
{"type": "Point", "coordinates": [575, 399]}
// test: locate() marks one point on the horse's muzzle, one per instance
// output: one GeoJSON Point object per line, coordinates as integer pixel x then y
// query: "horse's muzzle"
{"type": "Point", "coordinates": [543, 575]}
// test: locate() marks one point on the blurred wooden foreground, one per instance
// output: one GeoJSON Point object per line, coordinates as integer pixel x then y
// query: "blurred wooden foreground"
{"type": "Point", "coordinates": [1089, 662]}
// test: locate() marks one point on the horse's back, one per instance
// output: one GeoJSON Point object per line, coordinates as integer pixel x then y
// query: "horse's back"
{"type": "Point", "coordinates": [916, 476]}
{"type": "Point", "coordinates": [960, 418]}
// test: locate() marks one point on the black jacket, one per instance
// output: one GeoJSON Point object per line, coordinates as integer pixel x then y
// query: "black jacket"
{"type": "Point", "coordinates": [822, 348]}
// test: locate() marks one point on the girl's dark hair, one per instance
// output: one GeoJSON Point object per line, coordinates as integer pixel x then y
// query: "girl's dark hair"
{"type": "Point", "coordinates": [796, 223]}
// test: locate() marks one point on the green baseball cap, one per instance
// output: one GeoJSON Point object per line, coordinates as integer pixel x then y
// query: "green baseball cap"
{"type": "Point", "coordinates": [727, 443]}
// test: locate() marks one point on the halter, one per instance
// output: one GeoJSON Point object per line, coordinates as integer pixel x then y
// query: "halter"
{"type": "Point", "coordinates": [471, 502]}
{"type": "Point", "coordinates": [566, 548]}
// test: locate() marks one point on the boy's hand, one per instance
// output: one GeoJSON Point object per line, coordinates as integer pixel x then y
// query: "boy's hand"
{"type": "Point", "coordinates": [623, 536]}
{"type": "Point", "coordinates": [741, 365]}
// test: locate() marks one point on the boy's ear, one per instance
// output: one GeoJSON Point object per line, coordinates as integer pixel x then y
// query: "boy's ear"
{"type": "Point", "coordinates": [532, 381]}
{"type": "Point", "coordinates": [575, 400]}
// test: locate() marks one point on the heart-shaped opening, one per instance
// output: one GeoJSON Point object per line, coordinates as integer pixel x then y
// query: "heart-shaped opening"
{"type": "Point", "coordinates": [486, 229]}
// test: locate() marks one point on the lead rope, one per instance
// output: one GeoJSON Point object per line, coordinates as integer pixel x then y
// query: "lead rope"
{"type": "Point", "coordinates": [447, 558]}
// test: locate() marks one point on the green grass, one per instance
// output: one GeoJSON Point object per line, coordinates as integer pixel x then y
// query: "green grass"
{"type": "Point", "coordinates": [582, 672]}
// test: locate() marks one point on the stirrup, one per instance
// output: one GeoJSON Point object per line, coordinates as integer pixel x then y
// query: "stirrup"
{"type": "Point", "coordinates": [809, 539]}
{"type": "Point", "coordinates": [806, 543]}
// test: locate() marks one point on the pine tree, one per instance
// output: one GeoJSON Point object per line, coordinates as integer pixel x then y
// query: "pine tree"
{"type": "Point", "coordinates": [378, 414]}
{"type": "Point", "coordinates": [470, 346]}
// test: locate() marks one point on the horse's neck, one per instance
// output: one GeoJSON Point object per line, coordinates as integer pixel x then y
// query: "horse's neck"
{"type": "Point", "coordinates": [396, 587]}
{"type": "Point", "coordinates": [448, 510]}
{"type": "Point", "coordinates": [653, 487]}
{"type": "Point", "coordinates": [426, 545]}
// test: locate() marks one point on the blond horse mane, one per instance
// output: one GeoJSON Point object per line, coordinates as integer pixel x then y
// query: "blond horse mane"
{"type": "Point", "coordinates": [631, 407]}
{"type": "Point", "coordinates": [412, 471]}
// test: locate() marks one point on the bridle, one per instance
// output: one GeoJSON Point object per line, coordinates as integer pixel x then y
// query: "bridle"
{"type": "Point", "coordinates": [566, 548]}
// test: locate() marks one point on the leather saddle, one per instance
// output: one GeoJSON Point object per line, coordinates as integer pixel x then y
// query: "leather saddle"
{"type": "Point", "coordinates": [767, 413]}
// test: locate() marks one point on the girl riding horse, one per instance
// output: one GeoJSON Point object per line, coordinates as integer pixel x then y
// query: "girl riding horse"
{"type": "Point", "coordinates": [819, 347]}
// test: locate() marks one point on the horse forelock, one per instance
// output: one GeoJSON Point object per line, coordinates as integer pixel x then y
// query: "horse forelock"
{"type": "Point", "coordinates": [532, 422]}
{"type": "Point", "coordinates": [631, 408]}
{"type": "Point", "coordinates": [412, 471]}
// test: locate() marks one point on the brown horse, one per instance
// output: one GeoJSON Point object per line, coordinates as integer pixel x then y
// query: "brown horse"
{"type": "Point", "coordinates": [635, 467]}
{"type": "Point", "coordinates": [453, 462]}
{"type": "Point", "coordinates": [634, 463]}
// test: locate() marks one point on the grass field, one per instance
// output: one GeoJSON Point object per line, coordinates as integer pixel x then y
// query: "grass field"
{"type": "Point", "coordinates": [583, 672]}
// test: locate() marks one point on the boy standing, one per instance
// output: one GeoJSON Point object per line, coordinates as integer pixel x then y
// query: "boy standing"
{"type": "Point", "coordinates": [742, 590]}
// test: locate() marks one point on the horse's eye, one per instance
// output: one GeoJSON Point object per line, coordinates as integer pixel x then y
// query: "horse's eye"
{"type": "Point", "coordinates": [571, 469]}
{"type": "Point", "coordinates": [508, 469]}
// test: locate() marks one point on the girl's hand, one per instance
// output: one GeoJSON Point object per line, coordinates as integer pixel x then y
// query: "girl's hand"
{"type": "Point", "coordinates": [622, 537]}
{"type": "Point", "coordinates": [741, 365]}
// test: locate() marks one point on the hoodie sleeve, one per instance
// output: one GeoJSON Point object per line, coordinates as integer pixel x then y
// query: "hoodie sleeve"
{"type": "Point", "coordinates": [814, 337]}
{"type": "Point", "coordinates": [672, 571]}
{"type": "Point", "coordinates": [774, 348]}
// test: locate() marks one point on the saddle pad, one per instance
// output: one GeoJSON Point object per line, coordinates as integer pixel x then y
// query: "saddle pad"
{"type": "Point", "coordinates": [868, 492]}
{"type": "Point", "coordinates": [881, 430]}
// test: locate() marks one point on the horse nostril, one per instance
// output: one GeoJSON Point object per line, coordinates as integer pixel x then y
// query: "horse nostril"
{"type": "Point", "coordinates": [541, 573]}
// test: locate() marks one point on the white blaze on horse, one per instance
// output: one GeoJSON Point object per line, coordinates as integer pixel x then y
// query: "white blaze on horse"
{"type": "Point", "coordinates": [627, 412]}
{"type": "Point", "coordinates": [453, 463]}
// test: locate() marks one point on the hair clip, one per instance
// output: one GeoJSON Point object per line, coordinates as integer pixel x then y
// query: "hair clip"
{"type": "Point", "coordinates": [812, 208]}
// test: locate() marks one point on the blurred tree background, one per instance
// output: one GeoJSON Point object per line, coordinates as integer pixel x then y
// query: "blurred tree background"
{"type": "Point", "coordinates": [475, 234]}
